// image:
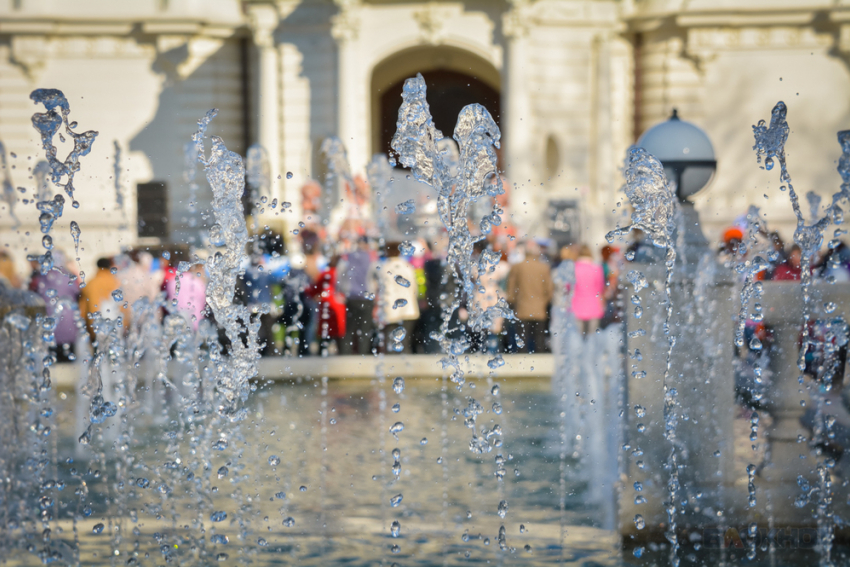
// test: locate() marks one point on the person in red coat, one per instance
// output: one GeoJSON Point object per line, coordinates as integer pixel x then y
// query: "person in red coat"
{"type": "Point", "coordinates": [791, 269]}
{"type": "Point", "coordinates": [331, 308]}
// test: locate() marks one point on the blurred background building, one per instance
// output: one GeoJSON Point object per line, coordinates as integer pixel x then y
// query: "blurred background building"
{"type": "Point", "coordinates": [572, 83]}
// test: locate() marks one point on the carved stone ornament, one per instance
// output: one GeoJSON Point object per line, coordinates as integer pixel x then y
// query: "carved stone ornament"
{"type": "Point", "coordinates": [345, 25]}
{"type": "Point", "coordinates": [30, 53]}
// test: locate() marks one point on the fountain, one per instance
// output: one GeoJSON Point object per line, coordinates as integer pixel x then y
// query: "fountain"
{"type": "Point", "coordinates": [174, 447]}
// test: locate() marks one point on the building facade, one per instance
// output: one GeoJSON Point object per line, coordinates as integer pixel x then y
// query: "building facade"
{"type": "Point", "coordinates": [572, 84]}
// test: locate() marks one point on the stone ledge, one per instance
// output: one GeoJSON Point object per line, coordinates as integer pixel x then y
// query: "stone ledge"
{"type": "Point", "coordinates": [67, 376]}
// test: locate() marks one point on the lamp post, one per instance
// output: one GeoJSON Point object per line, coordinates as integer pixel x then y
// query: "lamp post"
{"type": "Point", "coordinates": [699, 368]}
{"type": "Point", "coordinates": [688, 159]}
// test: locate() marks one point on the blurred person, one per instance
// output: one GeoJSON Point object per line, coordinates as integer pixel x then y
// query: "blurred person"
{"type": "Point", "coordinates": [791, 269]}
{"type": "Point", "coordinates": [529, 291]}
{"type": "Point", "coordinates": [732, 239]}
{"type": "Point", "coordinates": [8, 271]}
{"type": "Point", "coordinates": [299, 309]}
{"type": "Point", "coordinates": [493, 283]}
{"type": "Point", "coordinates": [314, 262]}
{"type": "Point", "coordinates": [642, 250]}
{"type": "Point", "coordinates": [60, 290]}
{"type": "Point", "coordinates": [359, 291]}
{"type": "Point", "coordinates": [587, 303]}
{"type": "Point", "coordinates": [439, 286]}
{"type": "Point", "coordinates": [398, 303]}
{"type": "Point", "coordinates": [563, 283]}
{"type": "Point", "coordinates": [138, 278]}
{"type": "Point", "coordinates": [97, 296]}
{"type": "Point", "coordinates": [257, 291]}
{"type": "Point", "coordinates": [612, 262]}
{"type": "Point", "coordinates": [776, 254]}
{"type": "Point", "coordinates": [190, 299]}
{"type": "Point", "coordinates": [835, 265]}
{"type": "Point", "coordinates": [330, 308]}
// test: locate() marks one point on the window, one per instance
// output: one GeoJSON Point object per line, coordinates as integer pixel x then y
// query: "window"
{"type": "Point", "coordinates": [152, 207]}
{"type": "Point", "coordinates": [553, 158]}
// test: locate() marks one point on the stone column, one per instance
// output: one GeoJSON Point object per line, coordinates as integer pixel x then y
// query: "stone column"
{"type": "Point", "coordinates": [350, 98]}
{"type": "Point", "coordinates": [783, 314]}
{"type": "Point", "coordinates": [516, 107]}
{"type": "Point", "coordinates": [264, 21]}
{"type": "Point", "coordinates": [702, 374]}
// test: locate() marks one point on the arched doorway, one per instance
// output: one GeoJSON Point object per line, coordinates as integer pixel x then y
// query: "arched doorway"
{"type": "Point", "coordinates": [455, 78]}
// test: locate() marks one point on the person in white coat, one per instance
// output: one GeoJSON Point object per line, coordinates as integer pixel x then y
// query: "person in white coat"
{"type": "Point", "coordinates": [398, 305]}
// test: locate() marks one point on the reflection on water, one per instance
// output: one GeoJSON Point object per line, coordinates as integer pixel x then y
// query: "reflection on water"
{"type": "Point", "coordinates": [338, 495]}
{"type": "Point", "coordinates": [329, 503]}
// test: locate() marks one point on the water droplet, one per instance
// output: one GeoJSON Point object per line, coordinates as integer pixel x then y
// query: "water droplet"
{"type": "Point", "coordinates": [98, 528]}
{"type": "Point", "coordinates": [289, 175]}
{"type": "Point", "coordinates": [222, 472]}
{"type": "Point", "coordinates": [396, 500]}
{"type": "Point", "coordinates": [274, 460]}
{"type": "Point", "coordinates": [397, 428]}
{"type": "Point", "coordinates": [406, 208]}
{"type": "Point", "coordinates": [640, 411]}
{"type": "Point", "coordinates": [289, 522]}
{"type": "Point", "coordinates": [398, 385]}
{"type": "Point", "coordinates": [218, 516]}
{"type": "Point", "coordinates": [220, 445]}
{"type": "Point", "coordinates": [142, 482]}
{"type": "Point", "coordinates": [400, 280]}
{"type": "Point", "coordinates": [406, 249]}
{"type": "Point", "coordinates": [395, 528]}
{"type": "Point", "coordinates": [118, 295]}
{"type": "Point", "coordinates": [399, 303]}
{"type": "Point", "coordinates": [219, 538]}
{"type": "Point", "coordinates": [398, 334]}
{"type": "Point", "coordinates": [423, 441]}
{"type": "Point", "coordinates": [638, 551]}
{"type": "Point", "coordinates": [18, 320]}
{"type": "Point", "coordinates": [639, 522]}
{"type": "Point", "coordinates": [396, 408]}
{"type": "Point", "coordinates": [262, 542]}
{"type": "Point", "coordinates": [503, 508]}
{"type": "Point", "coordinates": [302, 488]}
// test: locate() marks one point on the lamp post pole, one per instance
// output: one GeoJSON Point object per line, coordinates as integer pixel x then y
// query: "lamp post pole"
{"type": "Point", "coordinates": [688, 159]}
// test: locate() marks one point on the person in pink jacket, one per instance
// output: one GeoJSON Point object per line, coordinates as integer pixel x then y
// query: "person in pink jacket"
{"type": "Point", "coordinates": [588, 305]}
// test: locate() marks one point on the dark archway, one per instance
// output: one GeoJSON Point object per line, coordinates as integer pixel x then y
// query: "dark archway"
{"type": "Point", "coordinates": [448, 93]}
{"type": "Point", "coordinates": [455, 77]}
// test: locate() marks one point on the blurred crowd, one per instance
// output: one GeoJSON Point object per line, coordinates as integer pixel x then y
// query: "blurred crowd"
{"type": "Point", "coordinates": [784, 263]}
{"type": "Point", "coordinates": [359, 296]}
{"type": "Point", "coordinates": [354, 296]}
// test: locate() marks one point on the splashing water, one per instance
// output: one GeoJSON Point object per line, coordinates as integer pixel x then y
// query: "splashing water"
{"type": "Point", "coordinates": [379, 173]}
{"type": "Point", "coordinates": [769, 146]}
{"type": "Point", "coordinates": [654, 212]}
{"type": "Point", "coordinates": [8, 187]}
{"type": "Point", "coordinates": [459, 184]}
{"type": "Point", "coordinates": [47, 124]}
{"type": "Point", "coordinates": [416, 143]}
{"type": "Point", "coordinates": [226, 177]}
{"type": "Point", "coordinates": [258, 172]}
{"type": "Point", "coordinates": [116, 173]}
